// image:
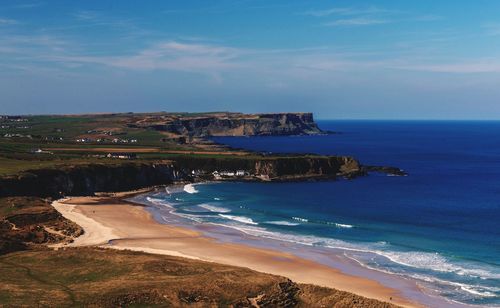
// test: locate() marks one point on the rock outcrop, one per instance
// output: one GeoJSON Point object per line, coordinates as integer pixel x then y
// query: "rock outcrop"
{"type": "Point", "coordinates": [27, 222]}
{"type": "Point", "coordinates": [233, 124]}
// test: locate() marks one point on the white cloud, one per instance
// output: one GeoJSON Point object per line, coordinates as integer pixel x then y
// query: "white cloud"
{"type": "Point", "coordinates": [357, 22]}
{"type": "Point", "coordinates": [27, 5]}
{"type": "Point", "coordinates": [170, 55]}
{"type": "Point", "coordinates": [217, 60]}
{"type": "Point", "coordinates": [86, 15]}
{"type": "Point", "coordinates": [7, 21]}
{"type": "Point", "coordinates": [347, 11]}
{"type": "Point", "coordinates": [348, 16]}
{"type": "Point", "coordinates": [470, 67]}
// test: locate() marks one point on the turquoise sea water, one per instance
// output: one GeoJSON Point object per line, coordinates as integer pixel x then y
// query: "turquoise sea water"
{"type": "Point", "coordinates": [440, 225]}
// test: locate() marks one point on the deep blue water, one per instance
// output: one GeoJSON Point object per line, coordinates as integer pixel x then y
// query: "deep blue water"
{"type": "Point", "coordinates": [440, 224]}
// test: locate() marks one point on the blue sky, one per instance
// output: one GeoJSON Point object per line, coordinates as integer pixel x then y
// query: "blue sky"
{"type": "Point", "coordinates": [380, 59]}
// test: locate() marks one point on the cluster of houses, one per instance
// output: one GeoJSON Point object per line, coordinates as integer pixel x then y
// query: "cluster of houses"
{"type": "Point", "coordinates": [40, 151]}
{"type": "Point", "coordinates": [16, 127]}
{"type": "Point", "coordinates": [116, 140]}
{"type": "Point", "coordinates": [122, 155]}
{"type": "Point", "coordinates": [13, 118]}
{"type": "Point", "coordinates": [52, 138]}
{"type": "Point", "coordinates": [10, 135]}
{"type": "Point", "coordinates": [104, 132]}
{"type": "Point", "coordinates": [222, 174]}
{"type": "Point", "coordinates": [116, 155]}
{"type": "Point", "coordinates": [100, 140]}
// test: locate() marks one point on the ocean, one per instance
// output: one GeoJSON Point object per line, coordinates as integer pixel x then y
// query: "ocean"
{"type": "Point", "coordinates": [439, 226]}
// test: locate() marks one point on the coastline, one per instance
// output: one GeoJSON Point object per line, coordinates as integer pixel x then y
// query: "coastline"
{"type": "Point", "coordinates": [112, 222]}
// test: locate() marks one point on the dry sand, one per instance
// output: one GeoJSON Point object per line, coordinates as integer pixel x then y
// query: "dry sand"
{"type": "Point", "coordinates": [130, 226]}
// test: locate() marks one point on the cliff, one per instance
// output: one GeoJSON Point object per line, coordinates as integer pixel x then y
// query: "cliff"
{"type": "Point", "coordinates": [91, 178]}
{"type": "Point", "coordinates": [86, 179]}
{"type": "Point", "coordinates": [233, 124]}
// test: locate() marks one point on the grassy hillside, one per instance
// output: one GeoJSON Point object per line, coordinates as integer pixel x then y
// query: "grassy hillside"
{"type": "Point", "coordinates": [108, 278]}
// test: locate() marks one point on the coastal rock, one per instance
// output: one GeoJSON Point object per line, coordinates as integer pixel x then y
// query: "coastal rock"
{"type": "Point", "coordinates": [234, 124]}
{"type": "Point", "coordinates": [394, 171]}
{"type": "Point", "coordinates": [92, 178]}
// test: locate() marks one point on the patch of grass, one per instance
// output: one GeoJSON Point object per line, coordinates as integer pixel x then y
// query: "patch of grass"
{"type": "Point", "coordinates": [111, 278]}
{"type": "Point", "coordinates": [95, 276]}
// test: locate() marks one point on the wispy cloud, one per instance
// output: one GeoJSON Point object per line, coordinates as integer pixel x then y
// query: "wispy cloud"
{"type": "Point", "coordinates": [8, 21]}
{"type": "Point", "coordinates": [216, 59]}
{"type": "Point", "coordinates": [354, 17]}
{"type": "Point", "coordinates": [347, 11]}
{"type": "Point", "coordinates": [350, 16]}
{"type": "Point", "coordinates": [86, 15]}
{"type": "Point", "coordinates": [25, 6]}
{"type": "Point", "coordinates": [485, 65]}
{"type": "Point", "coordinates": [171, 55]}
{"type": "Point", "coordinates": [357, 22]}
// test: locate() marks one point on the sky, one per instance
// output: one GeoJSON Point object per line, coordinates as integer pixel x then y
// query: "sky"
{"type": "Point", "coordinates": [381, 59]}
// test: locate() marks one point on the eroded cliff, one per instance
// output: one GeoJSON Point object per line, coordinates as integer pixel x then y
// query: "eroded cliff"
{"type": "Point", "coordinates": [233, 124]}
{"type": "Point", "coordinates": [91, 178]}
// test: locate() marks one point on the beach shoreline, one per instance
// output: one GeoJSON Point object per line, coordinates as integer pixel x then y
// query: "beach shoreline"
{"type": "Point", "coordinates": [112, 222]}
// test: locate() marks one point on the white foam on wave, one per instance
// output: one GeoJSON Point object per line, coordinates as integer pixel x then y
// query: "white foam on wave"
{"type": "Point", "coordinates": [420, 260]}
{"type": "Point", "coordinates": [157, 201]}
{"type": "Point", "coordinates": [282, 223]}
{"type": "Point", "coordinates": [196, 218]}
{"type": "Point", "coordinates": [308, 240]}
{"type": "Point", "coordinates": [242, 219]}
{"type": "Point", "coordinates": [338, 225]}
{"type": "Point", "coordinates": [217, 199]}
{"type": "Point", "coordinates": [475, 290]}
{"type": "Point", "coordinates": [190, 189]}
{"type": "Point", "coordinates": [343, 225]}
{"type": "Point", "coordinates": [436, 262]}
{"type": "Point", "coordinates": [213, 208]}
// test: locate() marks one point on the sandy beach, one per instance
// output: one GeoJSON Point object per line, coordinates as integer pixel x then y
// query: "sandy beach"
{"type": "Point", "coordinates": [111, 222]}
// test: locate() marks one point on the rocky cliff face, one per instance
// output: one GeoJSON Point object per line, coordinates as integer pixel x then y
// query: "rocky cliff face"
{"type": "Point", "coordinates": [234, 124]}
{"type": "Point", "coordinates": [88, 179]}
{"type": "Point", "coordinates": [303, 167]}
{"type": "Point", "coordinates": [274, 168]}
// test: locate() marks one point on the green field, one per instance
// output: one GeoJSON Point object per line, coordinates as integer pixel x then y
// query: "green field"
{"type": "Point", "coordinates": [57, 136]}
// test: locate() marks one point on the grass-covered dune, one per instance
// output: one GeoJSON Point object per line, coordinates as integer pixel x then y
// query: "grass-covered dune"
{"type": "Point", "coordinates": [94, 277]}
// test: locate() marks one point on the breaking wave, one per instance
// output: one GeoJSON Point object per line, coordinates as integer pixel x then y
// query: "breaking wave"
{"type": "Point", "coordinates": [213, 208]}
{"type": "Point", "coordinates": [158, 201]}
{"type": "Point", "coordinates": [190, 189]}
{"type": "Point", "coordinates": [241, 219]}
{"type": "Point", "coordinates": [282, 223]}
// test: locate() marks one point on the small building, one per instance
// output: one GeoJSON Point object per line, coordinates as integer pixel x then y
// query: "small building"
{"type": "Point", "coordinates": [122, 155]}
{"type": "Point", "coordinates": [240, 172]}
{"type": "Point", "coordinates": [216, 175]}
{"type": "Point", "coordinates": [40, 151]}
